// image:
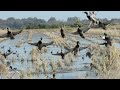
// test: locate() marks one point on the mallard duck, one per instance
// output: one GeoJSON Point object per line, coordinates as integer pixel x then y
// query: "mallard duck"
{"type": "Point", "coordinates": [11, 34]}
{"type": "Point", "coordinates": [61, 54]}
{"type": "Point", "coordinates": [76, 48]}
{"type": "Point", "coordinates": [6, 54]}
{"type": "Point", "coordinates": [80, 31]}
{"type": "Point", "coordinates": [12, 69]}
{"type": "Point", "coordinates": [88, 54]}
{"type": "Point", "coordinates": [107, 39]}
{"type": "Point", "coordinates": [40, 44]}
{"type": "Point", "coordinates": [62, 33]}
{"type": "Point", "coordinates": [90, 18]}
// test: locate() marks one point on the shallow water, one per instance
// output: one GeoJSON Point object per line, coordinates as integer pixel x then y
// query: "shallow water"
{"type": "Point", "coordinates": [78, 64]}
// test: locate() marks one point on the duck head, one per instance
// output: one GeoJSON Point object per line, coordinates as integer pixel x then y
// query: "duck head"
{"type": "Point", "coordinates": [78, 42]}
{"type": "Point", "coordinates": [11, 67]}
{"type": "Point", "coordinates": [86, 13]}
{"type": "Point", "coordinates": [79, 26]}
{"type": "Point", "coordinates": [8, 32]}
{"type": "Point", "coordinates": [53, 75]}
{"type": "Point", "coordinates": [105, 34]}
{"type": "Point", "coordinates": [41, 38]}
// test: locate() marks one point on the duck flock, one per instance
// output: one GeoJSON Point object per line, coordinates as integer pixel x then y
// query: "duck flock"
{"type": "Point", "coordinates": [94, 22]}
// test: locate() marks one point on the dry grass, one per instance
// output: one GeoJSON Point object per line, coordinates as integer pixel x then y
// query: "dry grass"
{"type": "Point", "coordinates": [67, 61]}
{"type": "Point", "coordinates": [29, 75]}
{"type": "Point", "coordinates": [115, 33]}
{"type": "Point", "coordinates": [4, 70]}
{"type": "Point", "coordinates": [34, 54]}
{"type": "Point", "coordinates": [30, 36]}
{"type": "Point", "coordinates": [22, 74]}
{"type": "Point", "coordinates": [45, 66]}
{"type": "Point", "coordinates": [53, 65]}
{"type": "Point", "coordinates": [106, 61]}
{"type": "Point", "coordinates": [60, 63]}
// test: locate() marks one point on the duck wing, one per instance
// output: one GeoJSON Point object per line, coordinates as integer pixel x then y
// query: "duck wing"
{"type": "Point", "coordinates": [84, 30]}
{"type": "Point", "coordinates": [81, 35]}
{"type": "Point", "coordinates": [47, 44]}
{"type": "Point", "coordinates": [35, 44]}
{"type": "Point", "coordinates": [75, 33]}
{"type": "Point", "coordinates": [17, 32]}
{"type": "Point", "coordinates": [7, 54]}
{"type": "Point", "coordinates": [66, 52]}
{"type": "Point", "coordinates": [102, 44]}
{"type": "Point", "coordinates": [57, 54]}
{"type": "Point", "coordinates": [11, 36]}
{"type": "Point", "coordinates": [4, 35]}
{"type": "Point", "coordinates": [81, 48]}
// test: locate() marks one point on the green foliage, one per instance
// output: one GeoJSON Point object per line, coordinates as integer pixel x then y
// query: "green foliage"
{"type": "Point", "coordinates": [35, 23]}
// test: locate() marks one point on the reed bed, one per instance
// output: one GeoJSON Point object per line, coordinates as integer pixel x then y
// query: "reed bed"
{"type": "Point", "coordinates": [4, 71]}
{"type": "Point", "coordinates": [30, 35]}
{"type": "Point", "coordinates": [34, 54]}
{"type": "Point", "coordinates": [53, 65]}
{"type": "Point", "coordinates": [106, 62]}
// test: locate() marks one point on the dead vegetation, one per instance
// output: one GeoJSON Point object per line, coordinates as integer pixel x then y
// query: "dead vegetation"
{"type": "Point", "coordinates": [106, 62]}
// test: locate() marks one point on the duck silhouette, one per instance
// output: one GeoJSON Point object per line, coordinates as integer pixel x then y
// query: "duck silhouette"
{"type": "Point", "coordinates": [80, 31]}
{"type": "Point", "coordinates": [61, 54]}
{"type": "Point", "coordinates": [62, 33]}
{"type": "Point", "coordinates": [40, 44]}
{"type": "Point", "coordinates": [10, 34]}
{"type": "Point", "coordinates": [107, 39]}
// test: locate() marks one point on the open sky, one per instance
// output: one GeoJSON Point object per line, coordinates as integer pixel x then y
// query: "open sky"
{"type": "Point", "coordinates": [59, 15]}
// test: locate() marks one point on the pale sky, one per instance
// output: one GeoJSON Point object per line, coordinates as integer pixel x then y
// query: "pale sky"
{"type": "Point", "coordinates": [59, 15]}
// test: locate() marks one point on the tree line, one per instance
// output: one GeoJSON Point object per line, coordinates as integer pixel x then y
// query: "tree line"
{"type": "Point", "coordinates": [35, 23]}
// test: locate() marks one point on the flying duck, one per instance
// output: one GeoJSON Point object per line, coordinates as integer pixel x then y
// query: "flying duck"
{"type": "Point", "coordinates": [12, 69]}
{"type": "Point", "coordinates": [6, 54]}
{"type": "Point", "coordinates": [103, 25]}
{"type": "Point", "coordinates": [80, 31]}
{"type": "Point", "coordinates": [61, 54]}
{"type": "Point", "coordinates": [107, 39]}
{"type": "Point", "coordinates": [11, 34]}
{"type": "Point", "coordinates": [88, 54]}
{"type": "Point", "coordinates": [90, 18]}
{"type": "Point", "coordinates": [39, 44]}
{"type": "Point", "coordinates": [76, 48]}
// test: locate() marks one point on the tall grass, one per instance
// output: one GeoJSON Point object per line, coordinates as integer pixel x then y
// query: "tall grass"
{"type": "Point", "coordinates": [106, 61]}
{"type": "Point", "coordinates": [34, 54]}
{"type": "Point", "coordinates": [53, 65]}
{"type": "Point", "coordinates": [45, 66]}
{"type": "Point", "coordinates": [60, 63]}
{"type": "Point", "coordinates": [3, 71]}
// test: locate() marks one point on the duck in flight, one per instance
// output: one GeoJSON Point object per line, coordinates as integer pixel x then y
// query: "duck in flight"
{"type": "Point", "coordinates": [61, 54]}
{"type": "Point", "coordinates": [91, 17]}
{"type": "Point", "coordinates": [96, 23]}
{"type": "Point", "coordinates": [40, 45]}
{"type": "Point", "coordinates": [107, 39]}
{"type": "Point", "coordinates": [76, 48]}
{"type": "Point", "coordinates": [10, 34]}
{"type": "Point", "coordinates": [6, 54]}
{"type": "Point", "coordinates": [80, 31]}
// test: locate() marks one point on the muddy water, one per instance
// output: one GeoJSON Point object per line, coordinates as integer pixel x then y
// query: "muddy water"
{"type": "Point", "coordinates": [80, 66]}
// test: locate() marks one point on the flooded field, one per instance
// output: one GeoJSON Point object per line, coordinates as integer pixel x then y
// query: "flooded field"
{"type": "Point", "coordinates": [35, 64]}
